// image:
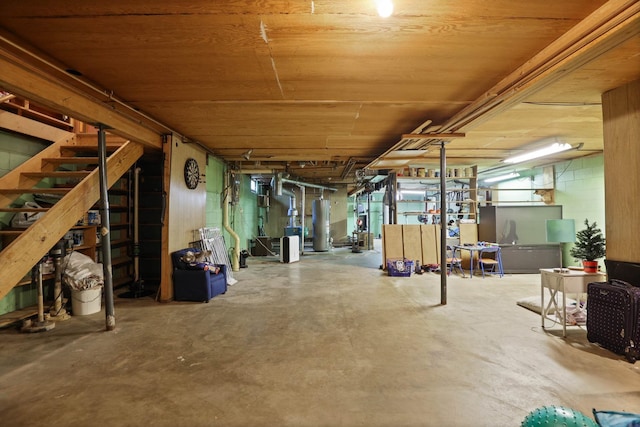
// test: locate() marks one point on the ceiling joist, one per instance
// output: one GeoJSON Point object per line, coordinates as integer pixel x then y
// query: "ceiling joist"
{"type": "Point", "coordinates": [612, 24]}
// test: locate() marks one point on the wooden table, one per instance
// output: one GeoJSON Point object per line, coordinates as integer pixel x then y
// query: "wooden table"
{"type": "Point", "coordinates": [567, 281]}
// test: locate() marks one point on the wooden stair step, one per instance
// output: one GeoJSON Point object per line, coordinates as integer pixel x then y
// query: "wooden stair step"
{"type": "Point", "coordinates": [18, 191]}
{"type": "Point", "coordinates": [56, 174]}
{"type": "Point", "coordinates": [71, 160]}
{"type": "Point", "coordinates": [89, 138]}
{"type": "Point", "coordinates": [11, 232]}
{"type": "Point", "coordinates": [25, 209]}
{"type": "Point", "coordinates": [113, 146]}
{"type": "Point", "coordinates": [16, 316]}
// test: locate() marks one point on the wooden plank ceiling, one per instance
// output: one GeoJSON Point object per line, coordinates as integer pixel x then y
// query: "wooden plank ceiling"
{"type": "Point", "coordinates": [321, 88]}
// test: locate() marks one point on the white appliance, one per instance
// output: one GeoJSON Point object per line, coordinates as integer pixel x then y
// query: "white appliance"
{"type": "Point", "coordinates": [289, 249]}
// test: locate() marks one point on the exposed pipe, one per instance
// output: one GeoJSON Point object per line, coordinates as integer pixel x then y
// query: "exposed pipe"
{"type": "Point", "coordinates": [105, 230]}
{"type": "Point", "coordinates": [279, 190]}
{"type": "Point", "coordinates": [279, 177]}
{"type": "Point", "coordinates": [369, 246]}
{"type": "Point", "coordinates": [136, 229]}
{"type": "Point", "coordinates": [58, 312]}
{"type": "Point", "coordinates": [42, 324]}
{"type": "Point", "coordinates": [303, 194]}
{"type": "Point", "coordinates": [235, 259]}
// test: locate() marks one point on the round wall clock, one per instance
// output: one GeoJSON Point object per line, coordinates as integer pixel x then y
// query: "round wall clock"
{"type": "Point", "coordinates": [191, 173]}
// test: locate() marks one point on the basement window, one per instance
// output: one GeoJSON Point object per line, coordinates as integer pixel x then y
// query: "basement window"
{"type": "Point", "coordinates": [254, 186]}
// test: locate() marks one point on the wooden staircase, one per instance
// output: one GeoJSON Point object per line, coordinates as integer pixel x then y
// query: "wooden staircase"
{"type": "Point", "coordinates": [80, 193]}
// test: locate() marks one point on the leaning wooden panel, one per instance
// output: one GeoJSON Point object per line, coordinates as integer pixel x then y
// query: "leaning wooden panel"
{"type": "Point", "coordinates": [430, 240]}
{"type": "Point", "coordinates": [437, 232]}
{"type": "Point", "coordinates": [392, 246]}
{"type": "Point", "coordinates": [412, 242]}
{"type": "Point", "coordinates": [468, 234]}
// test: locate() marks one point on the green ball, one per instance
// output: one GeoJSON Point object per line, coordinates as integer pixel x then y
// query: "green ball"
{"type": "Point", "coordinates": [557, 416]}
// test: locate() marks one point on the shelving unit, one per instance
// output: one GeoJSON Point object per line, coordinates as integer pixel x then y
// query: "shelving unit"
{"type": "Point", "coordinates": [546, 196]}
{"type": "Point", "coordinates": [151, 217]}
{"type": "Point", "coordinates": [89, 240]}
{"type": "Point", "coordinates": [538, 189]}
{"type": "Point", "coordinates": [120, 207]}
{"type": "Point", "coordinates": [425, 206]}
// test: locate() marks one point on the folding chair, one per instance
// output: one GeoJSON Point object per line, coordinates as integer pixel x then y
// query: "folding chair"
{"type": "Point", "coordinates": [453, 261]}
{"type": "Point", "coordinates": [490, 260]}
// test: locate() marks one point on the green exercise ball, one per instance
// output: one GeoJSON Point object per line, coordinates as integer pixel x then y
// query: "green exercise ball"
{"type": "Point", "coordinates": [557, 416]}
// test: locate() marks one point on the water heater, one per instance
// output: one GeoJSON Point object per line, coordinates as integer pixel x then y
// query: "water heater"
{"type": "Point", "coordinates": [321, 224]}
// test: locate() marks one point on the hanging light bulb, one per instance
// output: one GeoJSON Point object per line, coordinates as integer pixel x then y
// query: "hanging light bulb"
{"type": "Point", "coordinates": [385, 8]}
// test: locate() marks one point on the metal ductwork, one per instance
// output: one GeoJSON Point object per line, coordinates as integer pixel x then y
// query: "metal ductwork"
{"type": "Point", "coordinates": [293, 210]}
{"type": "Point", "coordinates": [279, 180]}
{"type": "Point", "coordinates": [277, 185]}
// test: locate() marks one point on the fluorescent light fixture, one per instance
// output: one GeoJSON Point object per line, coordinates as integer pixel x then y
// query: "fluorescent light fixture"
{"type": "Point", "coordinates": [552, 149]}
{"type": "Point", "coordinates": [420, 192]}
{"type": "Point", "coordinates": [503, 177]}
{"type": "Point", "coordinates": [385, 8]}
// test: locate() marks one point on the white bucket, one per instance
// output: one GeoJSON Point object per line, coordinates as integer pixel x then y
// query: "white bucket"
{"type": "Point", "coordinates": [88, 301]}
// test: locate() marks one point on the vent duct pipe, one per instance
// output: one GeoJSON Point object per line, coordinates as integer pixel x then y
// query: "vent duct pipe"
{"type": "Point", "coordinates": [280, 178]}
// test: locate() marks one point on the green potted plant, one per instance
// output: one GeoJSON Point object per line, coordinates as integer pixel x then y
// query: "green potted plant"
{"type": "Point", "coordinates": [589, 246]}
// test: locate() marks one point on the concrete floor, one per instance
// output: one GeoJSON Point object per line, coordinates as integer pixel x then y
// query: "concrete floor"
{"type": "Point", "coordinates": [328, 341]}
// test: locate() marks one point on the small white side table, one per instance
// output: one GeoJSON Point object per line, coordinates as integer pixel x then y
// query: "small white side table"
{"type": "Point", "coordinates": [567, 281]}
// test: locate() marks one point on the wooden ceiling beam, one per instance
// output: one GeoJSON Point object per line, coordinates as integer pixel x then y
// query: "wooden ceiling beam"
{"type": "Point", "coordinates": [435, 136]}
{"type": "Point", "coordinates": [23, 79]}
{"type": "Point", "coordinates": [610, 25]}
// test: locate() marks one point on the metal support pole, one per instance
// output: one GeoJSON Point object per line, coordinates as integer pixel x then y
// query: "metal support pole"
{"type": "Point", "coordinates": [369, 221]}
{"type": "Point", "coordinates": [443, 225]}
{"type": "Point", "coordinates": [41, 324]}
{"type": "Point", "coordinates": [58, 312]}
{"type": "Point", "coordinates": [105, 230]}
{"type": "Point", "coordinates": [303, 202]}
{"type": "Point", "coordinates": [393, 208]}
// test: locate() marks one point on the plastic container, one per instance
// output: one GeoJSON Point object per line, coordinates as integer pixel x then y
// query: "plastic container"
{"type": "Point", "coordinates": [399, 267]}
{"type": "Point", "coordinates": [88, 301]}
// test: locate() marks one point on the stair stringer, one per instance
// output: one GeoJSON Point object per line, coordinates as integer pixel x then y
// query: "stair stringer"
{"type": "Point", "coordinates": [24, 252]}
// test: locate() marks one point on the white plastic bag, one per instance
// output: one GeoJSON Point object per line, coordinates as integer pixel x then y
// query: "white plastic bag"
{"type": "Point", "coordinates": [81, 272]}
{"type": "Point", "coordinates": [25, 219]}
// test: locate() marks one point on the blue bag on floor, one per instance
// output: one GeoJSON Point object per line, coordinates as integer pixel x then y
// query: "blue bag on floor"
{"type": "Point", "coordinates": [616, 419]}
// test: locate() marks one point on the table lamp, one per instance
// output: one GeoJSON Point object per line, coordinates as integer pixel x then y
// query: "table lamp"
{"type": "Point", "coordinates": [561, 231]}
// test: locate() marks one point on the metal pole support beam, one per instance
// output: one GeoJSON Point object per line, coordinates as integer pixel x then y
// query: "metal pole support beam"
{"type": "Point", "coordinates": [443, 225]}
{"type": "Point", "coordinates": [105, 230]}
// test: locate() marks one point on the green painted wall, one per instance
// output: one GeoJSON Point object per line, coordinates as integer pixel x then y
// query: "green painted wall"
{"type": "Point", "coordinates": [376, 214]}
{"type": "Point", "coordinates": [580, 191]}
{"type": "Point", "coordinates": [243, 217]}
{"type": "Point", "coordinates": [215, 185]}
{"type": "Point", "coordinates": [579, 188]}
{"type": "Point", "coordinates": [15, 150]}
